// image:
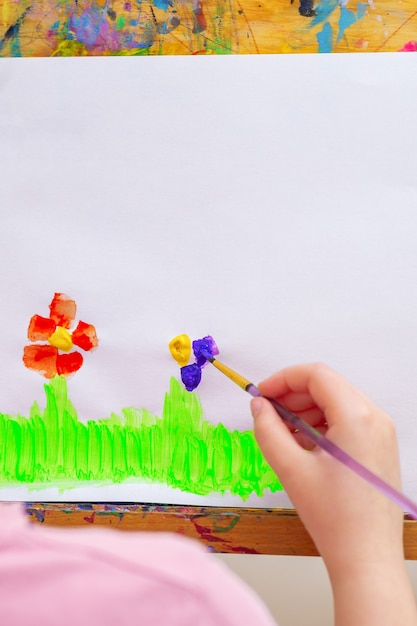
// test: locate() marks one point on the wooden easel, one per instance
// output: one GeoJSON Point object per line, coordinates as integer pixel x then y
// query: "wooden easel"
{"type": "Point", "coordinates": [232, 530]}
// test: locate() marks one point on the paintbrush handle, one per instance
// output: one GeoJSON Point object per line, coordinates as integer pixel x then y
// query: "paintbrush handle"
{"type": "Point", "coordinates": [340, 455]}
{"type": "Point", "coordinates": [320, 440]}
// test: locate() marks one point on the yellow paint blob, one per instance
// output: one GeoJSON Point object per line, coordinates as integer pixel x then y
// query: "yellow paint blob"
{"type": "Point", "coordinates": [61, 339]}
{"type": "Point", "coordinates": [180, 348]}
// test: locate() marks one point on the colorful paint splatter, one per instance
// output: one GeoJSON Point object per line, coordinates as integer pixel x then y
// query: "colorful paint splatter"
{"type": "Point", "coordinates": [202, 348]}
{"type": "Point", "coordinates": [193, 27]}
{"type": "Point", "coordinates": [57, 355]}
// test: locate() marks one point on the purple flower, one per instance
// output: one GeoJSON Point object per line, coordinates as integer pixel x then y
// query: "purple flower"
{"type": "Point", "coordinates": [191, 376]}
{"type": "Point", "coordinates": [203, 347]}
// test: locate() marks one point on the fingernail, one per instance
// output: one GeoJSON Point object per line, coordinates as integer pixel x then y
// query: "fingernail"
{"type": "Point", "coordinates": [256, 406]}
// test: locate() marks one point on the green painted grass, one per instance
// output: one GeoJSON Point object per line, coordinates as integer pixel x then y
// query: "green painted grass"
{"type": "Point", "coordinates": [52, 447]}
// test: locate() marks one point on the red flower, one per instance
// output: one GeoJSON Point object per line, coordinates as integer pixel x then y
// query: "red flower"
{"type": "Point", "coordinates": [47, 358]}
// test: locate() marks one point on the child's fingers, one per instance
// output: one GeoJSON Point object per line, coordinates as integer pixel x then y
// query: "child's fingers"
{"type": "Point", "coordinates": [336, 397]}
{"type": "Point", "coordinates": [314, 417]}
{"type": "Point", "coordinates": [275, 440]}
{"type": "Point", "coordinates": [296, 401]}
{"type": "Point", "coordinates": [304, 441]}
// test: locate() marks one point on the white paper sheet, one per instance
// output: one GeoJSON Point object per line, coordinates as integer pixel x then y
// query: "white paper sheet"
{"type": "Point", "coordinates": [268, 201]}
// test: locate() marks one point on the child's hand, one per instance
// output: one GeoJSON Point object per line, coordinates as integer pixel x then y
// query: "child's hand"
{"type": "Point", "coordinates": [349, 520]}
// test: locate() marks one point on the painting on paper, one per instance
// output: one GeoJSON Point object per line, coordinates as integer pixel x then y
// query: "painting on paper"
{"type": "Point", "coordinates": [145, 204]}
{"type": "Point", "coordinates": [180, 448]}
{"type": "Point", "coordinates": [195, 27]}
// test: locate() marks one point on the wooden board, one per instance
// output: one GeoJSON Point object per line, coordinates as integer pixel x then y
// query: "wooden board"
{"type": "Point", "coordinates": [231, 530]}
{"type": "Point", "coordinates": [193, 27]}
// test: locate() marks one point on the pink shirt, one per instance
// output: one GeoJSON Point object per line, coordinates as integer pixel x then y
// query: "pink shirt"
{"type": "Point", "coordinates": [103, 577]}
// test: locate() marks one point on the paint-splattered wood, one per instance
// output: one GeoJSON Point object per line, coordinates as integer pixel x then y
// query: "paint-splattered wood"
{"type": "Point", "coordinates": [233, 530]}
{"type": "Point", "coordinates": [195, 27]}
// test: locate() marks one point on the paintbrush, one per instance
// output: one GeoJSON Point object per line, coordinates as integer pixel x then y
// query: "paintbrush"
{"type": "Point", "coordinates": [320, 440]}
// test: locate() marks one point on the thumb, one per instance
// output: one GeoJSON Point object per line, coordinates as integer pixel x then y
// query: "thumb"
{"type": "Point", "coordinates": [276, 442]}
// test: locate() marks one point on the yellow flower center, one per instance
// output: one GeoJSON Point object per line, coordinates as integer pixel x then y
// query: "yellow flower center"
{"type": "Point", "coordinates": [180, 348]}
{"type": "Point", "coordinates": [61, 339]}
